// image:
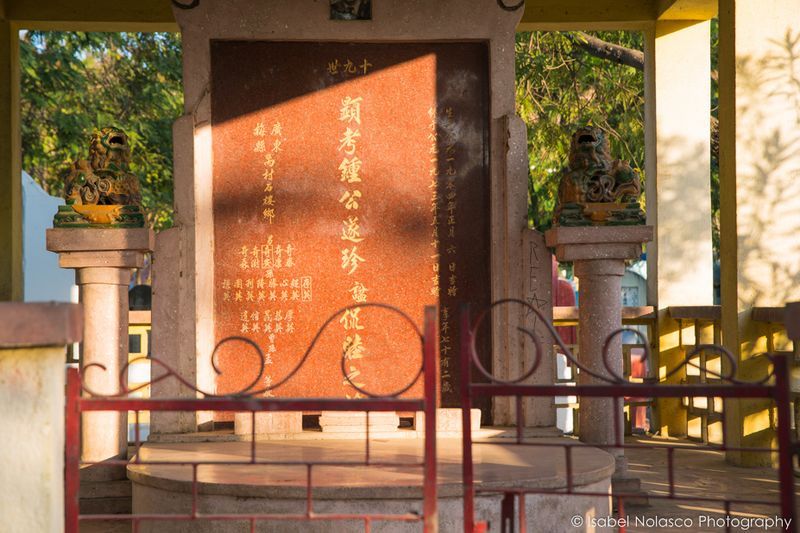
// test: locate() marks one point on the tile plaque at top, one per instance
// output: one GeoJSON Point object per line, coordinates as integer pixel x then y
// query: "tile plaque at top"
{"type": "Point", "coordinates": [344, 174]}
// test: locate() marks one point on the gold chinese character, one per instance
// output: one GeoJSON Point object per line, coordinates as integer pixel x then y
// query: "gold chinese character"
{"type": "Point", "coordinates": [353, 347]}
{"type": "Point", "coordinates": [259, 130]}
{"type": "Point", "coordinates": [348, 142]}
{"type": "Point", "coordinates": [351, 230]}
{"type": "Point", "coordinates": [269, 160]}
{"type": "Point", "coordinates": [276, 146]}
{"type": "Point", "coordinates": [351, 259]}
{"type": "Point", "coordinates": [269, 214]}
{"type": "Point", "coordinates": [349, 169]}
{"type": "Point", "coordinates": [351, 110]}
{"type": "Point", "coordinates": [350, 200]}
{"type": "Point", "coordinates": [269, 174]}
{"type": "Point", "coordinates": [359, 292]}
{"type": "Point", "coordinates": [351, 378]}
{"type": "Point", "coordinates": [333, 67]}
{"type": "Point", "coordinates": [365, 66]}
{"type": "Point", "coordinates": [349, 67]}
{"type": "Point", "coordinates": [350, 319]}
{"type": "Point", "coordinates": [269, 200]}
{"type": "Point", "coordinates": [260, 146]}
{"type": "Point", "coordinates": [277, 129]}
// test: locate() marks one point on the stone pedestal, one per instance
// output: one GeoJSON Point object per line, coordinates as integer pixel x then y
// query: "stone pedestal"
{"type": "Point", "coordinates": [33, 340]}
{"type": "Point", "coordinates": [598, 254]}
{"type": "Point", "coordinates": [283, 423]}
{"type": "Point", "coordinates": [103, 260]}
{"type": "Point", "coordinates": [355, 422]}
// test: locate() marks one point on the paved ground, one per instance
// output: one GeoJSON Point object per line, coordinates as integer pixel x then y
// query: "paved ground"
{"type": "Point", "coordinates": [699, 472]}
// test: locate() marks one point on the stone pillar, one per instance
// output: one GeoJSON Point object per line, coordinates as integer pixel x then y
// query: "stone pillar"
{"type": "Point", "coordinates": [678, 166]}
{"type": "Point", "coordinates": [759, 201]}
{"type": "Point", "coordinates": [599, 255]}
{"type": "Point", "coordinates": [537, 291]}
{"type": "Point", "coordinates": [103, 260]}
{"type": "Point", "coordinates": [33, 340]}
{"type": "Point", "coordinates": [11, 283]}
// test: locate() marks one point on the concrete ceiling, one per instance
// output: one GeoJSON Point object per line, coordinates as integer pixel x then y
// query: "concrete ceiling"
{"type": "Point", "coordinates": [569, 13]}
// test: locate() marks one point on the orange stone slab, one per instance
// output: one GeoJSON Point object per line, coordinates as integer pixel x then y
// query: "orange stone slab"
{"type": "Point", "coordinates": [343, 174]}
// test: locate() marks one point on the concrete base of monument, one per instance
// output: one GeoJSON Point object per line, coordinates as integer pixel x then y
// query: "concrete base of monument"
{"type": "Point", "coordinates": [355, 423]}
{"type": "Point", "coordinates": [345, 425]}
{"type": "Point", "coordinates": [167, 489]}
{"type": "Point", "coordinates": [410, 433]}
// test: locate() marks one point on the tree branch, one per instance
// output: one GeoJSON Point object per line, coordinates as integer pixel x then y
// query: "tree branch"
{"type": "Point", "coordinates": [609, 51]}
{"type": "Point", "coordinates": [633, 58]}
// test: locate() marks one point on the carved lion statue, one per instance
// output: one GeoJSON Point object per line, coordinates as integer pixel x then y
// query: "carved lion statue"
{"type": "Point", "coordinates": [594, 189]}
{"type": "Point", "coordinates": [100, 191]}
{"type": "Point", "coordinates": [104, 179]}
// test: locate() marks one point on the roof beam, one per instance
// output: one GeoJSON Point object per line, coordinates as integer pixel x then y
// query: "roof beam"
{"type": "Point", "coordinates": [686, 9]}
{"type": "Point", "coordinates": [140, 11]}
{"type": "Point", "coordinates": [579, 14]}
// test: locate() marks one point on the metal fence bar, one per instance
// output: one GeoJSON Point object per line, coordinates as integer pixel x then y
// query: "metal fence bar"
{"type": "Point", "coordinates": [785, 447]}
{"type": "Point", "coordinates": [72, 454]}
{"type": "Point", "coordinates": [725, 385]}
{"type": "Point", "coordinates": [430, 483]}
{"type": "Point", "coordinates": [467, 473]}
{"type": "Point", "coordinates": [252, 403]}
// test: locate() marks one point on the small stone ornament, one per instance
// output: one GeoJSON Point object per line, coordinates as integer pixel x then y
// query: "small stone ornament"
{"type": "Point", "coordinates": [594, 189]}
{"type": "Point", "coordinates": [101, 192]}
{"type": "Point", "coordinates": [351, 9]}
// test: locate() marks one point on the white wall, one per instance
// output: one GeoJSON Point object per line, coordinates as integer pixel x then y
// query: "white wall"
{"type": "Point", "coordinates": [44, 280]}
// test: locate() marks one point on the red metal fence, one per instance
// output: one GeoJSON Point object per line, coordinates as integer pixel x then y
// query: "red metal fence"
{"type": "Point", "coordinates": [252, 400]}
{"type": "Point", "coordinates": [774, 387]}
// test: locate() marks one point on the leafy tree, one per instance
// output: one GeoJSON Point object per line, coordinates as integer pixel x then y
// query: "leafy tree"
{"type": "Point", "coordinates": [568, 79]}
{"type": "Point", "coordinates": [561, 86]}
{"type": "Point", "coordinates": [74, 82]}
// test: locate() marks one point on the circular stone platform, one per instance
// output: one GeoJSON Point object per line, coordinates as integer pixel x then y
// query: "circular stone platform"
{"type": "Point", "coordinates": [167, 489]}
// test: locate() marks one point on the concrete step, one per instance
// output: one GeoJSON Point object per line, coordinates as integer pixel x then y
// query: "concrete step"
{"type": "Point", "coordinates": [105, 506]}
{"type": "Point", "coordinates": [105, 497]}
{"type": "Point", "coordinates": [631, 487]}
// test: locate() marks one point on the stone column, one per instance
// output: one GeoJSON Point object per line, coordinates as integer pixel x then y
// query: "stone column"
{"type": "Point", "coordinates": [599, 254]}
{"type": "Point", "coordinates": [759, 195]}
{"type": "Point", "coordinates": [33, 340]}
{"type": "Point", "coordinates": [103, 260]}
{"type": "Point", "coordinates": [678, 166]}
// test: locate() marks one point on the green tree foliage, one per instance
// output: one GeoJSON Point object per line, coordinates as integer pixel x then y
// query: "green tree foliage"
{"type": "Point", "coordinates": [74, 82]}
{"type": "Point", "coordinates": [561, 87]}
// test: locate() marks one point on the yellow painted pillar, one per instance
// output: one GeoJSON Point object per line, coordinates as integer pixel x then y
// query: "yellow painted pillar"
{"type": "Point", "coordinates": [759, 97]}
{"type": "Point", "coordinates": [10, 182]}
{"type": "Point", "coordinates": [677, 110]}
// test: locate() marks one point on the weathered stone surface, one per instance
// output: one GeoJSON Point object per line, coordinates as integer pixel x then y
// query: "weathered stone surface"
{"type": "Point", "coordinates": [32, 452]}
